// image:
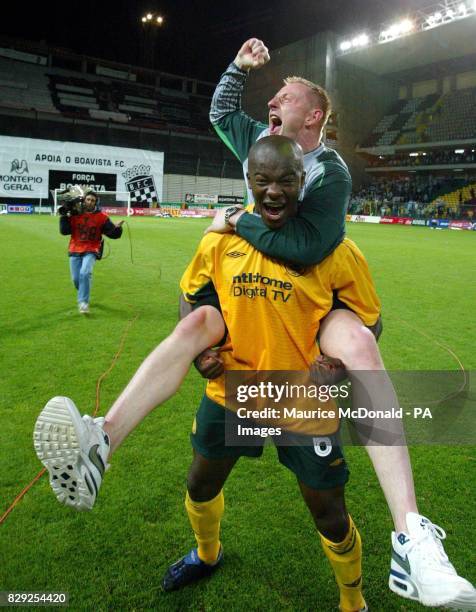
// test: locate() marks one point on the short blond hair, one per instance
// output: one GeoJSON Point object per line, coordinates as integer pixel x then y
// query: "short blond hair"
{"type": "Point", "coordinates": [318, 91]}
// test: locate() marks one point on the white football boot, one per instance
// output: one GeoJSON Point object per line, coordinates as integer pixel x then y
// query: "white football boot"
{"type": "Point", "coordinates": [421, 570]}
{"type": "Point", "coordinates": [74, 450]}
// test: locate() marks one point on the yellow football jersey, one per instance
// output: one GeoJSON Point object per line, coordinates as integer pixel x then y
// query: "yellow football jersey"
{"type": "Point", "coordinates": [272, 312]}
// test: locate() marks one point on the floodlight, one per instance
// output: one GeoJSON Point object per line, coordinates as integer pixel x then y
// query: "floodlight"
{"type": "Point", "coordinates": [360, 41]}
{"type": "Point", "coordinates": [149, 16]}
{"type": "Point", "coordinates": [406, 26]}
{"type": "Point", "coordinates": [346, 45]}
{"type": "Point", "coordinates": [394, 30]}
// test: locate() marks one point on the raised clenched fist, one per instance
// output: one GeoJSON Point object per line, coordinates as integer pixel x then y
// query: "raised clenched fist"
{"type": "Point", "coordinates": [253, 54]}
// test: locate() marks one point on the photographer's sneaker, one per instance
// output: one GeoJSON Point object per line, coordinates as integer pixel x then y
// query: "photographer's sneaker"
{"type": "Point", "coordinates": [83, 308]}
{"type": "Point", "coordinates": [421, 570]}
{"type": "Point", "coordinates": [74, 450]}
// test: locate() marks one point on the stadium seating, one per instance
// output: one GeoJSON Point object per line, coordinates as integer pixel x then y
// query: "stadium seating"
{"type": "Point", "coordinates": [24, 86]}
{"type": "Point", "coordinates": [433, 118]}
{"type": "Point", "coordinates": [128, 102]}
{"type": "Point", "coordinates": [455, 117]}
{"type": "Point", "coordinates": [401, 119]}
{"type": "Point", "coordinates": [457, 197]}
{"type": "Point", "coordinates": [75, 94]}
{"type": "Point", "coordinates": [70, 94]}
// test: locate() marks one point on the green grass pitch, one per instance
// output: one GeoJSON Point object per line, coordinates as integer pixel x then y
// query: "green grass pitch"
{"type": "Point", "coordinates": [113, 558]}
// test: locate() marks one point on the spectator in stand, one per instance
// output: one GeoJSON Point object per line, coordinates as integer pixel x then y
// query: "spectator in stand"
{"type": "Point", "coordinates": [425, 158]}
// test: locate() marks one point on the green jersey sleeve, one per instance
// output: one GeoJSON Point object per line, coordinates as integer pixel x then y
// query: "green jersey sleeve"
{"type": "Point", "coordinates": [237, 130]}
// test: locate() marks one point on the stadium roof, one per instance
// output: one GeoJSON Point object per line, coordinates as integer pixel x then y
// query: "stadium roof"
{"type": "Point", "coordinates": [453, 40]}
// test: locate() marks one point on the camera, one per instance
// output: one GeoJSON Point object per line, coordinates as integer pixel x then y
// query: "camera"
{"type": "Point", "coordinates": [71, 201]}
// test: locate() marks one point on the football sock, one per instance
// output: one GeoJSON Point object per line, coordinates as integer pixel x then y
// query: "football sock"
{"type": "Point", "coordinates": [205, 519]}
{"type": "Point", "coordinates": [346, 560]}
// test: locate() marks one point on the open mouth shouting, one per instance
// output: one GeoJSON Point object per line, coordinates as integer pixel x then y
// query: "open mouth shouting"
{"type": "Point", "coordinates": [273, 212]}
{"type": "Point", "coordinates": [275, 124]}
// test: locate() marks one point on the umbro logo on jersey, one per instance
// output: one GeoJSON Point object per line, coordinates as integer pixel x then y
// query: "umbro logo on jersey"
{"type": "Point", "coordinates": [235, 254]}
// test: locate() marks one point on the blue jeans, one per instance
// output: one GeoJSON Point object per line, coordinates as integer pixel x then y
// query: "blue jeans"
{"type": "Point", "coordinates": [81, 267]}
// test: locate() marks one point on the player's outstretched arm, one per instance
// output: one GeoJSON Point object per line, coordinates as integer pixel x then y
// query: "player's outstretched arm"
{"type": "Point", "coordinates": [237, 130]}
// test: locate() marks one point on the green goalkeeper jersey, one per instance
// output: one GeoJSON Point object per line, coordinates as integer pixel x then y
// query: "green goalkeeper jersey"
{"type": "Point", "coordinates": [320, 224]}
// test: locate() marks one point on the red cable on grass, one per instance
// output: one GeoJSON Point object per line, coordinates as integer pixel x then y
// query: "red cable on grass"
{"type": "Point", "coordinates": [96, 409]}
{"type": "Point", "coordinates": [113, 363]}
{"type": "Point", "coordinates": [20, 495]}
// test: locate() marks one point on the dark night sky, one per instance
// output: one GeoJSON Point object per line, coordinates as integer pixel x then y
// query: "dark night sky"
{"type": "Point", "coordinates": [198, 38]}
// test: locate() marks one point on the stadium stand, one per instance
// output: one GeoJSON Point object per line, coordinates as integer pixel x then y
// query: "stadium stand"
{"type": "Point", "coordinates": [401, 119]}
{"type": "Point", "coordinates": [24, 86]}
{"type": "Point", "coordinates": [56, 94]}
{"type": "Point", "coordinates": [416, 117]}
{"type": "Point", "coordinates": [106, 95]}
{"type": "Point", "coordinates": [425, 158]}
{"type": "Point", "coordinates": [433, 118]}
{"type": "Point", "coordinates": [127, 102]}
{"type": "Point", "coordinates": [454, 117]}
{"type": "Point", "coordinates": [422, 195]}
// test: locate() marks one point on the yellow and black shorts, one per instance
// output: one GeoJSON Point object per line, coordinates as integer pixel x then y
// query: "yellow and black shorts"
{"type": "Point", "coordinates": [317, 462]}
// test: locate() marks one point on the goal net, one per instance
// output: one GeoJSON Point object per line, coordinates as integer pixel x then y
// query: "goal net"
{"type": "Point", "coordinates": [110, 202]}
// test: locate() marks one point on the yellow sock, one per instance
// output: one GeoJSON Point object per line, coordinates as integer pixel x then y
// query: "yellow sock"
{"type": "Point", "coordinates": [205, 520]}
{"type": "Point", "coordinates": [346, 560]}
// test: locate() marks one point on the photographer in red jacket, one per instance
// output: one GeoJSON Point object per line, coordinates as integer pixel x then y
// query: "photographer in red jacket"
{"type": "Point", "coordinates": [82, 219]}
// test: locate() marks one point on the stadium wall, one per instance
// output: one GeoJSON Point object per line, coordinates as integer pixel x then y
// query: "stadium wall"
{"type": "Point", "coordinates": [176, 186]}
{"type": "Point", "coordinates": [362, 99]}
